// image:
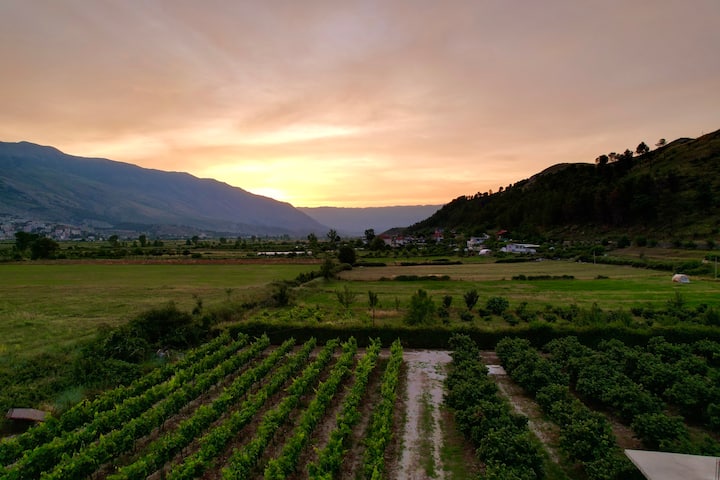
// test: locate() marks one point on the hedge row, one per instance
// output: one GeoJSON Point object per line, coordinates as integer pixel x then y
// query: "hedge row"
{"type": "Point", "coordinates": [439, 336]}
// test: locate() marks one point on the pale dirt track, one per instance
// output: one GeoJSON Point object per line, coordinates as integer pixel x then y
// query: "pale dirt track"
{"type": "Point", "coordinates": [425, 377]}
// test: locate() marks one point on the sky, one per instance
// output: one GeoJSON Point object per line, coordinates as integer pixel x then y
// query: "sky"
{"type": "Point", "coordinates": [354, 103]}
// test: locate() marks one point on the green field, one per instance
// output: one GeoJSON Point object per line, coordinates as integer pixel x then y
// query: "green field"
{"type": "Point", "coordinates": [50, 305]}
{"type": "Point", "coordinates": [44, 306]}
{"type": "Point", "coordinates": [609, 287]}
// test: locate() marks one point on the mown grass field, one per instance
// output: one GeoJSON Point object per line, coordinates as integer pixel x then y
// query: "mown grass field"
{"type": "Point", "coordinates": [45, 306]}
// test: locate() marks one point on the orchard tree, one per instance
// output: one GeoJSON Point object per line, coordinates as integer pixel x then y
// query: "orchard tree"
{"type": "Point", "coordinates": [373, 302]}
{"type": "Point", "coordinates": [422, 309]}
{"type": "Point", "coordinates": [471, 298]}
{"type": "Point", "coordinates": [346, 297]}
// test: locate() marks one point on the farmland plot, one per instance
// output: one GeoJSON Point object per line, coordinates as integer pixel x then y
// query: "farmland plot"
{"type": "Point", "coordinates": [235, 408]}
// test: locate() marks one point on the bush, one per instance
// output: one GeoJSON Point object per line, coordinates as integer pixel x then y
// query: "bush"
{"type": "Point", "coordinates": [623, 242]}
{"type": "Point", "coordinates": [163, 326]}
{"type": "Point", "coordinates": [281, 295]}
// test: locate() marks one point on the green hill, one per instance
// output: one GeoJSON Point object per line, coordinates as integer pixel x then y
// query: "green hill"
{"type": "Point", "coordinates": [670, 192]}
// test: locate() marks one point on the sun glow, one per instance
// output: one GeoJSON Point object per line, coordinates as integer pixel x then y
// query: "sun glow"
{"type": "Point", "coordinates": [274, 193]}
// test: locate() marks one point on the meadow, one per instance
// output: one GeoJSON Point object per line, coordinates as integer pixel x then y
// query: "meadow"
{"type": "Point", "coordinates": [44, 306]}
{"type": "Point", "coordinates": [567, 284]}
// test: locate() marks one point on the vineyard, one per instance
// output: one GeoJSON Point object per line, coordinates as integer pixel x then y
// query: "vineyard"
{"type": "Point", "coordinates": [234, 408]}
{"type": "Point", "coordinates": [243, 408]}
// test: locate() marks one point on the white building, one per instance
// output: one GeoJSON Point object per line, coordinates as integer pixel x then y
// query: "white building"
{"type": "Point", "coordinates": [520, 248]}
{"type": "Point", "coordinates": [475, 244]}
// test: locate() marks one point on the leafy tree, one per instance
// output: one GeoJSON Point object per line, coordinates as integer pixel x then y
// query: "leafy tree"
{"type": "Point", "coordinates": [369, 235]}
{"type": "Point", "coordinates": [143, 240]}
{"type": "Point", "coordinates": [661, 143]}
{"type": "Point", "coordinates": [377, 244]}
{"type": "Point", "coordinates": [23, 240]}
{"type": "Point", "coordinates": [642, 149]}
{"type": "Point", "coordinates": [113, 239]}
{"type": "Point", "coordinates": [602, 160]}
{"type": "Point", "coordinates": [327, 269]}
{"type": "Point", "coordinates": [373, 302]}
{"type": "Point", "coordinates": [421, 309]}
{"type": "Point", "coordinates": [444, 311]}
{"type": "Point", "coordinates": [43, 248]}
{"type": "Point", "coordinates": [313, 241]}
{"type": "Point", "coordinates": [471, 298]}
{"type": "Point", "coordinates": [333, 236]}
{"type": "Point", "coordinates": [346, 254]}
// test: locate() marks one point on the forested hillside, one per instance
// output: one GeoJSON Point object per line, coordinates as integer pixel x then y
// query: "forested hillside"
{"type": "Point", "coordinates": [666, 192]}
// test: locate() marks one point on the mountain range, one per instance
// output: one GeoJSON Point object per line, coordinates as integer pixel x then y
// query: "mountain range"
{"type": "Point", "coordinates": [41, 183]}
{"type": "Point", "coordinates": [354, 221]}
{"type": "Point", "coordinates": [668, 192]}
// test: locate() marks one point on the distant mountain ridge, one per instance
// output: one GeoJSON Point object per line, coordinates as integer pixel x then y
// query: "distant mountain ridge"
{"type": "Point", "coordinates": [669, 192]}
{"type": "Point", "coordinates": [42, 183]}
{"type": "Point", "coordinates": [354, 221]}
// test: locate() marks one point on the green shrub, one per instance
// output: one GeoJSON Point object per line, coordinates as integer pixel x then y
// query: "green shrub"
{"type": "Point", "coordinates": [422, 309]}
{"type": "Point", "coordinates": [466, 316]}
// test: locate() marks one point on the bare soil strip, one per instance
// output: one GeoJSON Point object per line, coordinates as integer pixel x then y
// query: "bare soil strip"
{"type": "Point", "coordinates": [425, 376]}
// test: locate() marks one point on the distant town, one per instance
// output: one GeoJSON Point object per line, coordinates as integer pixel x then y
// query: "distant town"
{"type": "Point", "coordinates": [56, 231]}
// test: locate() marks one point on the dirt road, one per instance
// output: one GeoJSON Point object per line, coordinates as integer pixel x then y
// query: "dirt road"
{"type": "Point", "coordinates": [422, 435]}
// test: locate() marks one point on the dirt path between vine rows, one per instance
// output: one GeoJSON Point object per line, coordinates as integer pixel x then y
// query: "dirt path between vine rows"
{"type": "Point", "coordinates": [422, 436]}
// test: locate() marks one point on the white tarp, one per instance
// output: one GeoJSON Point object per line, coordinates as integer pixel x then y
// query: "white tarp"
{"type": "Point", "coordinates": [680, 278]}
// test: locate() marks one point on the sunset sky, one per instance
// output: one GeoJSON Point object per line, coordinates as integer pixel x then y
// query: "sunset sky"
{"type": "Point", "coordinates": [357, 103]}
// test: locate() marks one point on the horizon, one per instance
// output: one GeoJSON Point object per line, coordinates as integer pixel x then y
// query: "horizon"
{"type": "Point", "coordinates": [357, 105]}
